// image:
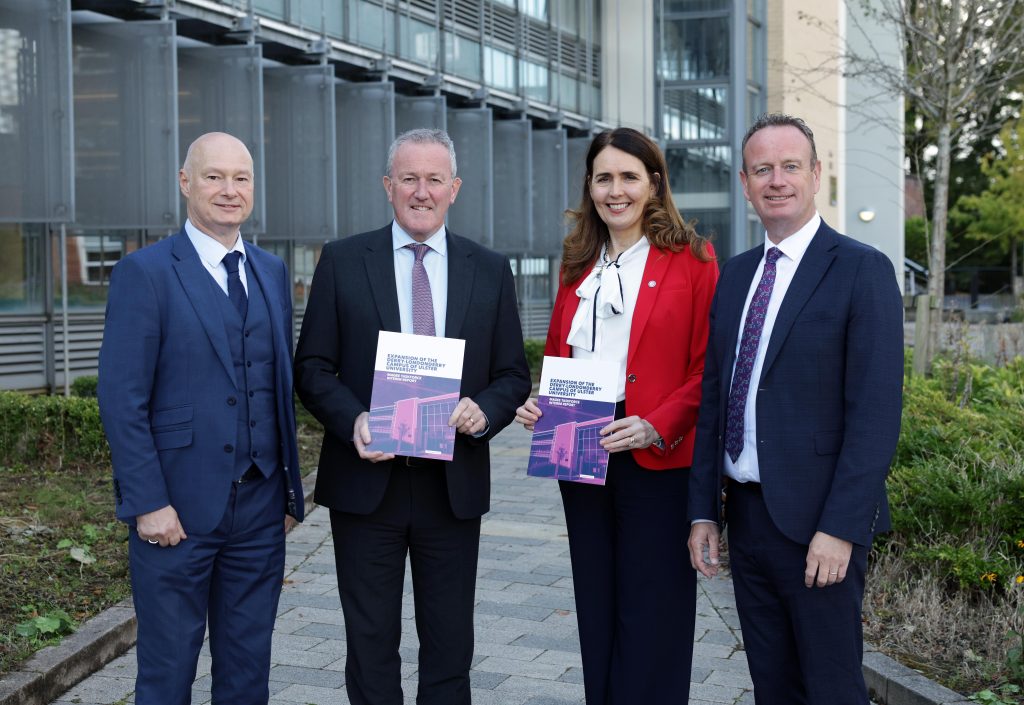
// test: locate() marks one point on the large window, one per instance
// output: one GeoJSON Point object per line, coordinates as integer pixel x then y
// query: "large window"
{"type": "Point", "coordinates": [91, 254]}
{"type": "Point", "coordinates": [700, 169]}
{"type": "Point", "coordinates": [695, 114]}
{"type": "Point", "coordinates": [695, 49]}
{"type": "Point", "coordinates": [22, 282]}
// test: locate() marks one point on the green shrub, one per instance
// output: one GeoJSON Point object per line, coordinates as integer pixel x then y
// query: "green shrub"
{"type": "Point", "coordinates": [85, 386]}
{"type": "Point", "coordinates": [534, 355]}
{"type": "Point", "coordinates": [44, 428]}
{"type": "Point", "coordinates": [957, 484]}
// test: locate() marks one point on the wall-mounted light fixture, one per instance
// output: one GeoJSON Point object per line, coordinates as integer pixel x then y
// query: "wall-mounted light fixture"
{"type": "Point", "coordinates": [866, 215]}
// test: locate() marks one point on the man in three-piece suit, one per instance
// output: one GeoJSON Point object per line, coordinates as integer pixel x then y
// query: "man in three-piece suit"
{"type": "Point", "coordinates": [411, 276]}
{"type": "Point", "coordinates": [800, 414]}
{"type": "Point", "coordinates": [195, 392]}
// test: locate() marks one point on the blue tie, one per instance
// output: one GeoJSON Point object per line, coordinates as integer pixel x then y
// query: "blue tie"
{"type": "Point", "coordinates": [236, 292]}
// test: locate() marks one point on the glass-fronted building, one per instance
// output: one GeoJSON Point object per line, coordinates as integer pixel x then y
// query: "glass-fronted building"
{"type": "Point", "coordinates": [710, 85]}
{"type": "Point", "coordinates": [99, 99]}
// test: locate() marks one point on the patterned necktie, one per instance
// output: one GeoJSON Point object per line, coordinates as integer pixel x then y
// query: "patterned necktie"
{"type": "Point", "coordinates": [748, 351]}
{"type": "Point", "coordinates": [422, 301]}
{"type": "Point", "coordinates": [236, 292]}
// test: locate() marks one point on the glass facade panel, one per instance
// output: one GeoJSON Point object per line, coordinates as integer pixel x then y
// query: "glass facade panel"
{"type": "Point", "coordinates": [420, 111]}
{"type": "Point", "coordinates": [513, 205]}
{"type": "Point", "coordinates": [269, 8]}
{"type": "Point", "coordinates": [695, 49]}
{"type": "Point", "coordinates": [714, 224]}
{"type": "Point", "coordinates": [535, 8]}
{"type": "Point", "coordinates": [700, 169]}
{"type": "Point", "coordinates": [417, 41]}
{"type": "Point", "coordinates": [319, 16]}
{"type": "Point", "coordinates": [22, 273]}
{"type": "Point", "coordinates": [499, 69]}
{"type": "Point", "coordinates": [301, 169]}
{"type": "Point", "coordinates": [365, 129]}
{"type": "Point", "coordinates": [565, 15]}
{"type": "Point", "coordinates": [304, 260]}
{"type": "Point", "coordinates": [534, 81]}
{"type": "Point", "coordinates": [370, 25]}
{"type": "Point", "coordinates": [568, 93]}
{"type": "Point", "coordinates": [35, 112]}
{"type": "Point", "coordinates": [696, 5]}
{"type": "Point", "coordinates": [221, 88]}
{"type": "Point", "coordinates": [472, 215]}
{"type": "Point", "coordinates": [695, 113]}
{"type": "Point", "coordinates": [462, 56]}
{"type": "Point", "coordinates": [550, 185]}
{"type": "Point", "coordinates": [126, 122]}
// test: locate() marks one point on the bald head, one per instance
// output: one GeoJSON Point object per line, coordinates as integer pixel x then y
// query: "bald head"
{"type": "Point", "coordinates": [212, 142]}
{"type": "Point", "coordinates": [217, 183]}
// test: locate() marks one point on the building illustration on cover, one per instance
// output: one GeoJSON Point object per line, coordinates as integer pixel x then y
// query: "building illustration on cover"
{"type": "Point", "coordinates": [416, 426]}
{"type": "Point", "coordinates": [571, 450]}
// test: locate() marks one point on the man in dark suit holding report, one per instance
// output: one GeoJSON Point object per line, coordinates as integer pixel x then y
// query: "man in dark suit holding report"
{"type": "Point", "coordinates": [800, 413]}
{"type": "Point", "coordinates": [411, 276]}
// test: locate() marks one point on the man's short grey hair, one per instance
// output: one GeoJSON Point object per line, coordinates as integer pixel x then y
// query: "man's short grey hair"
{"type": "Point", "coordinates": [779, 120]}
{"type": "Point", "coordinates": [422, 135]}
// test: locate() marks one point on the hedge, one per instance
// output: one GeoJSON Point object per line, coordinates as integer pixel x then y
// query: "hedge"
{"type": "Point", "coordinates": [44, 428]}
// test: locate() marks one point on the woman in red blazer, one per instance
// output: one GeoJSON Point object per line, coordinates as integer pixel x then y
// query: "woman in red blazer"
{"type": "Point", "coordinates": [636, 287]}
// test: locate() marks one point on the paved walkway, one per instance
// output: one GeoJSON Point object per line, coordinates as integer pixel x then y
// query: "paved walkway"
{"type": "Point", "coordinates": [527, 650]}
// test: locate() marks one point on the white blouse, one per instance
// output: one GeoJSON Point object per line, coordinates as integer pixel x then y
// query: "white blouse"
{"type": "Point", "coordinates": [600, 327]}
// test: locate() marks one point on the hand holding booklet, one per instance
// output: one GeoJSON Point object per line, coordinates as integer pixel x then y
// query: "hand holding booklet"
{"type": "Point", "coordinates": [416, 383]}
{"type": "Point", "coordinates": [577, 400]}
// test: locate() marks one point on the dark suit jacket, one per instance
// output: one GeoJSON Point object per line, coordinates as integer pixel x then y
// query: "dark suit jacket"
{"type": "Point", "coordinates": [829, 398]}
{"type": "Point", "coordinates": [352, 298]}
{"type": "Point", "coordinates": [665, 358]}
{"type": "Point", "coordinates": [167, 388]}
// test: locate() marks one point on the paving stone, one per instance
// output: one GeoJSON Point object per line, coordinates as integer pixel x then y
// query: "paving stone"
{"type": "Point", "coordinates": [486, 680]}
{"type": "Point", "coordinates": [537, 614]}
{"type": "Point", "coordinates": [307, 676]}
{"type": "Point", "coordinates": [515, 667]}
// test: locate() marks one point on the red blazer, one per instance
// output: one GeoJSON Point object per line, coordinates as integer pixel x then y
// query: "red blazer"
{"type": "Point", "coordinates": [667, 339]}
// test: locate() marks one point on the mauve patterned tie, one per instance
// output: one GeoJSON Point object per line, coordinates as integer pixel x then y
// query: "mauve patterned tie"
{"type": "Point", "coordinates": [748, 351]}
{"type": "Point", "coordinates": [422, 301]}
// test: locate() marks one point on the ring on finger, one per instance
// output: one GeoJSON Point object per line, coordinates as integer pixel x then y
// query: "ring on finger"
{"type": "Point", "coordinates": [632, 440]}
{"type": "Point", "coordinates": [154, 541]}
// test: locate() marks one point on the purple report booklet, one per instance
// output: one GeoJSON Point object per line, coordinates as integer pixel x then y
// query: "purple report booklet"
{"type": "Point", "coordinates": [416, 382]}
{"type": "Point", "coordinates": [577, 398]}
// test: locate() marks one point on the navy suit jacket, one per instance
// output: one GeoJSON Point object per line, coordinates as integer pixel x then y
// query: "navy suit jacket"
{"type": "Point", "coordinates": [167, 388]}
{"type": "Point", "coordinates": [829, 397]}
{"type": "Point", "coordinates": [352, 298]}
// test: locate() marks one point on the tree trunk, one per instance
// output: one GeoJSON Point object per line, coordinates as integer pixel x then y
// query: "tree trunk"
{"type": "Point", "coordinates": [1015, 278]}
{"type": "Point", "coordinates": [937, 258]}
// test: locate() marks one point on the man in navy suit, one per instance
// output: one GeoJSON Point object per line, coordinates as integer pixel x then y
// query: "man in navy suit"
{"type": "Point", "coordinates": [195, 391]}
{"type": "Point", "coordinates": [800, 415]}
{"type": "Point", "coordinates": [412, 275]}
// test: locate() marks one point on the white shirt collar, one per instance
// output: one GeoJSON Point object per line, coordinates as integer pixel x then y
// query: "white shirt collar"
{"type": "Point", "coordinates": [210, 250]}
{"type": "Point", "coordinates": [796, 244]}
{"type": "Point", "coordinates": [437, 242]}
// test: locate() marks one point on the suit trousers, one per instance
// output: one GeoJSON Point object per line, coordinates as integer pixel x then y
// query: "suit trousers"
{"type": "Point", "coordinates": [414, 519]}
{"type": "Point", "coordinates": [635, 589]}
{"type": "Point", "coordinates": [804, 645]}
{"type": "Point", "coordinates": [230, 577]}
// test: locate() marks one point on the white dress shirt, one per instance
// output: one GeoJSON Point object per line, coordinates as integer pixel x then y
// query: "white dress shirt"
{"type": "Point", "coordinates": [745, 469]}
{"type": "Point", "coordinates": [435, 262]}
{"type": "Point", "coordinates": [611, 332]}
{"type": "Point", "coordinates": [211, 254]}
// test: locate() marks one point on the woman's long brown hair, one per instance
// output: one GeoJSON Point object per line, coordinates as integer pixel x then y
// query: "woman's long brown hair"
{"type": "Point", "coordinates": [662, 224]}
